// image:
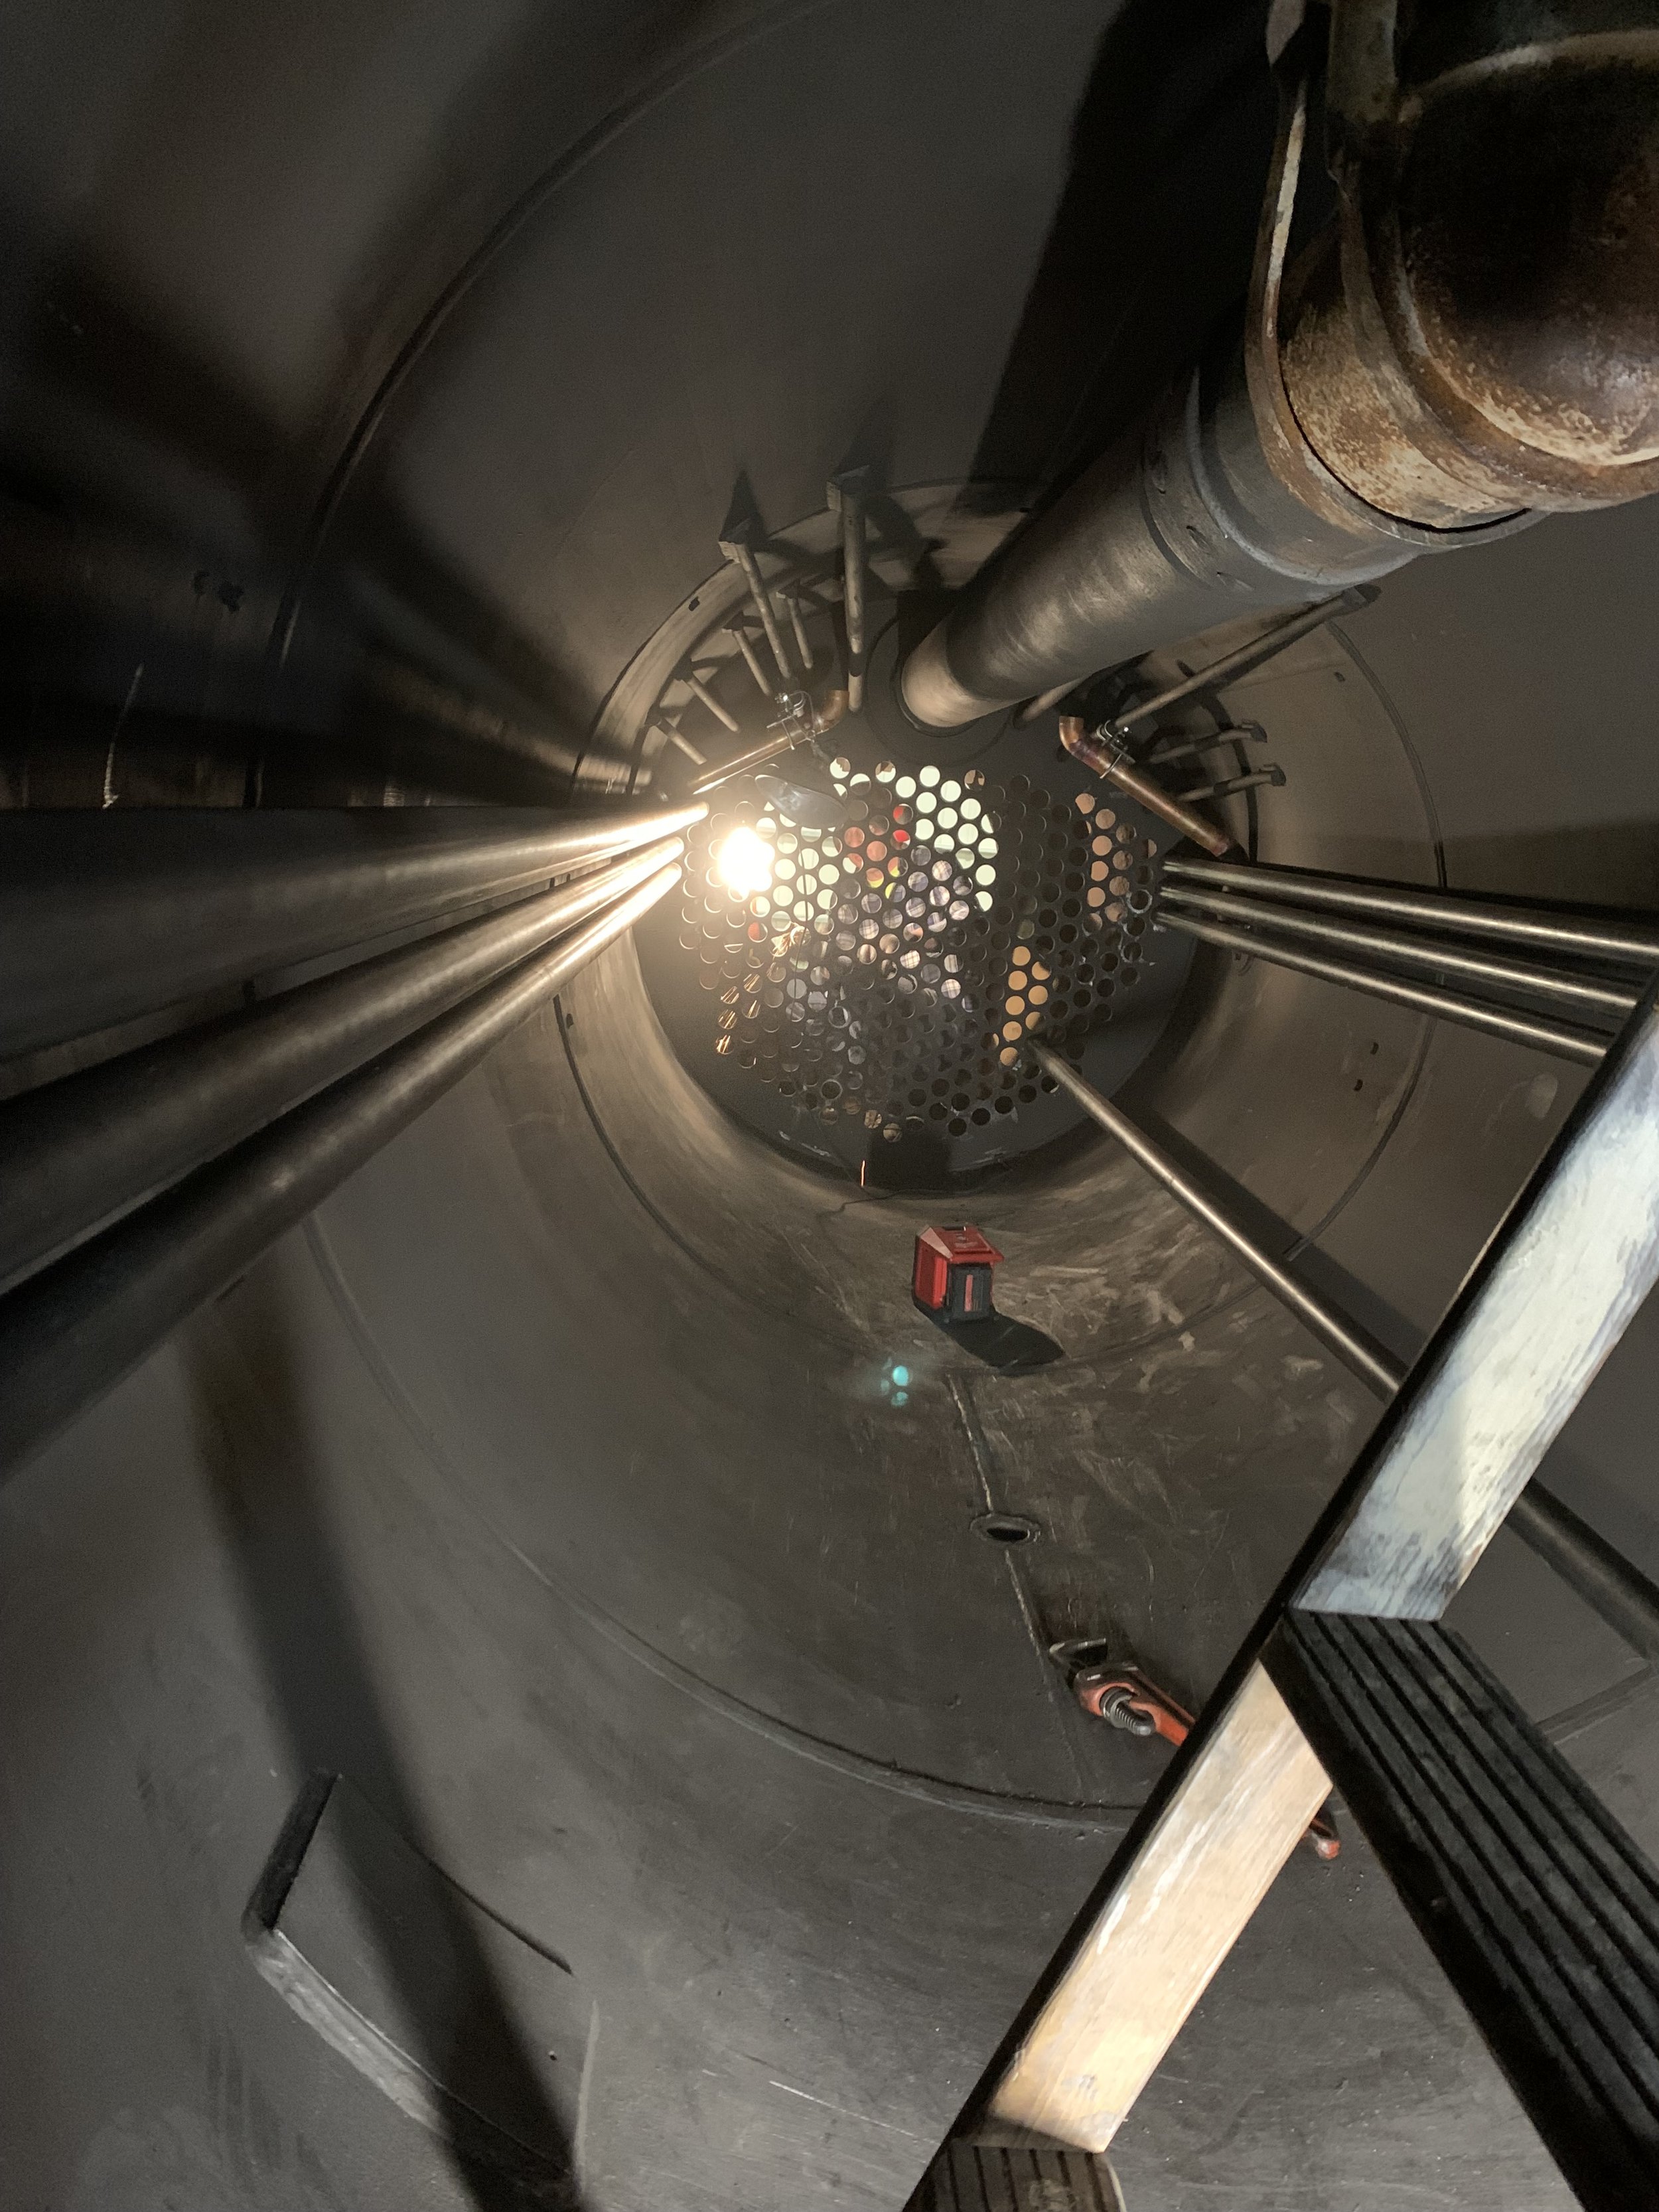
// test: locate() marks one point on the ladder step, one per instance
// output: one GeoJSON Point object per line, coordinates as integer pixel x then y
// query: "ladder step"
{"type": "Point", "coordinates": [1543, 1912]}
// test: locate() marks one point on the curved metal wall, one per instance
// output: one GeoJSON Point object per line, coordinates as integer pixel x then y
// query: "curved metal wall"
{"type": "Point", "coordinates": [552, 1486]}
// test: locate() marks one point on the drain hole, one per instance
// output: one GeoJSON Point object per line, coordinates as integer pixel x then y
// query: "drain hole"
{"type": "Point", "coordinates": [1005, 1528]}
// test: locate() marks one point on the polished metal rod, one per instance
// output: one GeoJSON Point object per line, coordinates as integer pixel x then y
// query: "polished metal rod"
{"type": "Point", "coordinates": [107, 915]}
{"type": "Point", "coordinates": [70, 1333]}
{"type": "Point", "coordinates": [1244, 657]}
{"type": "Point", "coordinates": [1583, 934]}
{"type": "Point", "coordinates": [1572, 994]}
{"type": "Point", "coordinates": [1425, 998]}
{"type": "Point", "coordinates": [77, 1151]}
{"type": "Point", "coordinates": [1351, 1345]}
{"type": "Point", "coordinates": [1624, 1598]}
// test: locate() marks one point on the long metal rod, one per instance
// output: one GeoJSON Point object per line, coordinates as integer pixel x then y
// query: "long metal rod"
{"type": "Point", "coordinates": [77, 1151]}
{"type": "Point", "coordinates": [1105, 760]}
{"type": "Point", "coordinates": [73, 1331]}
{"type": "Point", "coordinates": [1607, 1582]}
{"type": "Point", "coordinates": [1186, 748]}
{"type": "Point", "coordinates": [798, 629]}
{"type": "Point", "coordinates": [738, 549]}
{"type": "Point", "coordinates": [1354, 1346]}
{"type": "Point", "coordinates": [1244, 657]}
{"type": "Point", "coordinates": [1575, 994]}
{"type": "Point", "coordinates": [1584, 935]}
{"type": "Point", "coordinates": [105, 916]}
{"type": "Point", "coordinates": [699, 689]}
{"type": "Point", "coordinates": [738, 634]}
{"type": "Point", "coordinates": [757, 757]}
{"type": "Point", "coordinates": [1520, 1029]}
{"type": "Point", "coordinates": [847, 492]}
{"type": "Point", "coordinates": [1625, 1598]}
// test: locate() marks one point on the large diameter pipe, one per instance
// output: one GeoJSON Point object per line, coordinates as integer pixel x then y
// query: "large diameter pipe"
{"type": "Point", "coordinates": [74, 1152]}
{"type": "Point", "coordinates": [107, 915]}
{"type": "Point", "coordinates": [1607, 938]}
{"type": "Point", "coordinates": [72, 1332]}
{"type": "Point", "coordinates": [1473, 346]}
{"type": "Point", "coordinates": [1533, 1030]}
{"type": "Point", "coordinates": [1607, 1582]}
{"type": "Point", "coordinates": [1190, 530]}
{"type": "Point", "coordinates": [1571, 994]}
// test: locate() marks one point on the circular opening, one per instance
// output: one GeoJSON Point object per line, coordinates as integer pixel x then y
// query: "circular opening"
{"type": "Point", "coordinates": [1005, 1528]}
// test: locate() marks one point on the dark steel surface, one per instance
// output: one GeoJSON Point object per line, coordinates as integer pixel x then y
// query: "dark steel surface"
{"type": "Point", "coordinates": [1469, 337]}
{"type": "Point", "coordinates": [544, 1484]}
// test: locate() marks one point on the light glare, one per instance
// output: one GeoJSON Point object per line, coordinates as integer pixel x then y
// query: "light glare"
{"type": "Point", "coordinates": [744, 864]}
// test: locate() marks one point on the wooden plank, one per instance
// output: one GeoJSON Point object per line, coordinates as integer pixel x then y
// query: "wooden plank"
{"type": "Point", "coordinates": [1249, 1792]}
{"type": "Point", "coordinates": [1541, 1309]}
{"type": "Point", "coordinates": [1546, 1304]}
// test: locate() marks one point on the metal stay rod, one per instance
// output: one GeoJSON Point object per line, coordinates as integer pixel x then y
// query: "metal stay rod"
{"type": "Point", "coordinates": [1244, 657]}
{"type": "Point", "coordinates": [70, 1333]}
{"type": "Point", "coordinates": [1614, 1589]}
{"type": "Point", "coordinates": [1357, 1351]}
{"type": "Point", "coordinates": [847, 492]}
{"type": "Point", "coordinates": [105, 916]}
{"type": "Point", "coordinates": [1424, 998]}
{"type": "Point", "coordinates": [1572, 994]}
{"type": "Point", "coordinates": [1582, 934]}
{"type": "Point", "coordinates": [77, 1151]}
{"type": "Point", "coordinates": [740, 551]}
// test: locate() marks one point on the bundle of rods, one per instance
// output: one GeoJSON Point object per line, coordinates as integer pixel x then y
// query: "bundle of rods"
{"type": "Point", "coordinates": [187, 1085]}
{"type": "Point", "coordinates": [1561, 980]}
